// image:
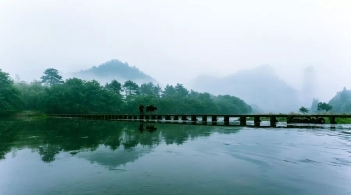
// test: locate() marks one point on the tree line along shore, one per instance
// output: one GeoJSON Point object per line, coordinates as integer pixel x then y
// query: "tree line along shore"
{"type": "Point", "coordinates": [51, 94]}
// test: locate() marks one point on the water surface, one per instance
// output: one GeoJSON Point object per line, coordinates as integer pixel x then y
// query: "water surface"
{"type": "Point", "coordinates": [65, 156]}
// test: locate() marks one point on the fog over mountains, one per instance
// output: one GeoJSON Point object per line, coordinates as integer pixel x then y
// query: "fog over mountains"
{"type": "Point", "coordinates": [114, 69]}
{"type": "Point", "coordinates": [260, 87]}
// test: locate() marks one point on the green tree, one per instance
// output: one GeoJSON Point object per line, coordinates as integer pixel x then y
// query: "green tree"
{"type": "Point", "coordinates": [51, 77]}
{"type": "Point", "coordinates": [130, 88]}
{"type": "Point", "coordinates": [232, 105]}
{"type": "Point", "coordinates": [9, 95]}
{"type": "Point", "coordinates": [33, 94]}
{"type": "Point", "coordinates": [303, 110]}
{"type": "Point", "coordinates": [114, 86]}
{"type": "Point", "coordinates": [322, 106]}
{"type": "Point", "coordinates": [341, 101]}
{"type": "Point", "coordinates": [150, 89]}
{"type": "Point", "coordinates": [168, 91]}
{"type": "Point", "coordinates": [79, 96]}
{"type": "Point", "coordinates": [181, 90]}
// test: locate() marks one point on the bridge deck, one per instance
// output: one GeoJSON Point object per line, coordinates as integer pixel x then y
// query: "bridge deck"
{"type": "Point", "coordinates": [242, 118]}
{"type": "Point", "coordinates": [220, 115]}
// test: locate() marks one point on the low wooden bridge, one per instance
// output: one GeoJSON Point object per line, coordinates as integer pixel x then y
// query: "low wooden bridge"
{"type": "Point", "coordinates": [214, 118]}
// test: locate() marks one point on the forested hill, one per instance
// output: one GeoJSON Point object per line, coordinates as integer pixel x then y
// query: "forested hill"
{"type": "Point", "coordinates": [341, 102]}
{"type": "Point", "coordinates": [74, 95]}
{"type": "Point", "coordinates": [259, 86]}
{"type": "Point", "coordinates": [114, 69]}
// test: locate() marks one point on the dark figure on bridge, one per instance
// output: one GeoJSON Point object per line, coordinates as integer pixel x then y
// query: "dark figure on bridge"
{"type": "Point", "coordinates": [141, 108]}
{"type": "Point", "coordinates": [151, 108]}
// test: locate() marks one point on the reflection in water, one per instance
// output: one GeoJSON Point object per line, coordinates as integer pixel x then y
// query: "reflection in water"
{"type": "Point", "coordinates": [50, 137]}
{"type": "Point", "coordinates": [149, 127]}
{"type": "Point", "coordinates": [103, 157]}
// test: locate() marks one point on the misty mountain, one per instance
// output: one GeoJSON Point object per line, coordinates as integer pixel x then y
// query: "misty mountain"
{"type": "Point", "coordinates": [341, 102]}
{"type": "Point", "coordinates": [260, 86]}
{"type": "Point", "coordinates": [114, 69]}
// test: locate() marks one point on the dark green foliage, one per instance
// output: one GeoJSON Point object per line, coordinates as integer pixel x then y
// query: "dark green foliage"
{"type": "Point", "coordinates": [114, 86]}
{"type": "Point", "coordinates": [75, 96]}
{"type": "Point", "coordinates": [32, 94]}
{"type": "Point", "coordinates": [303, 110]}
{"type": "Point", "coordinates": [322, 106]}
{"type": "Point", "coordinates": [79, 96]}
{"type": "Point", "coordinates": [130, 88]}
{"type": "Point", "coordinates": [178, 91]}
{"type": "Point", "coordinates": [341, 102]}
{"type": "Point", "coordinates": [181, 91]}
{"type": "Point", "coordinates": [56, 135]}
{"type": "Point", "coordinates": [51, 77]}
{"type": "Point", "coordinates": [9, 96]}
{"type": "Point", "coordinates": [169, 91]}
{"type": "Point", "coordinates": [150, 89]}
{"type": "Point", "coordinates": [232, 105]}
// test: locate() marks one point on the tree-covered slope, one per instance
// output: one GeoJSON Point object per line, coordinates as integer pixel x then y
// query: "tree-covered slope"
{"type": "Point", "coordinates": [114, 69]}
{"type": "Point", "coordinates": [260, 86]}
{"type": "Point", "coordinates": [341, 102]}
{"type": "Point", "coordinates": [9, 95]}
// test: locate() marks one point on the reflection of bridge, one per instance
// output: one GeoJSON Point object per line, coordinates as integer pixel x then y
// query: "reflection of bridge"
{"type": "Point", "coordinates": [214, 118]}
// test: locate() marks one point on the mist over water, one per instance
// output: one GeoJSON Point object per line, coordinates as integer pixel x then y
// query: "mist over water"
{"type": "Point", "coordinates": [93, 157]}
{"type": "Point", "coordinates": [221, 37]}
{"type": "Point", "coordinates": [274, 55]}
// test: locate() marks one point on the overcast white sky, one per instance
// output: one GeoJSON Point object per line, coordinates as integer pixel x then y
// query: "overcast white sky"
{"type": "Point", "coordinates": [177, 40]}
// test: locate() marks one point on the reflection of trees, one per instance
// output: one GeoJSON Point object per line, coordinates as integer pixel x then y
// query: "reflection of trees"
{"type": "Point", "coordinates": [7, 137]}
{"type": "Point", "coordinates": [74, 136]}
{"type": "Point", "coordinates": [48, 152]}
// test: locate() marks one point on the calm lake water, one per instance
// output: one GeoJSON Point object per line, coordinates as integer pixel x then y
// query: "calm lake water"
{"type": "Point", "coordinates": [67, 156]}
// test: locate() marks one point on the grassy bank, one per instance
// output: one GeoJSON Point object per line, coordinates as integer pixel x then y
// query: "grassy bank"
{"type": "Point", "coordinates": [27, 114]}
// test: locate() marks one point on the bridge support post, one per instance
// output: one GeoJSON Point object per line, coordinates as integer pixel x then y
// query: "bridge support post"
{"type": "Point", "coordinates": [193, 118]}
{"type": "Point", "coordinates": [332, 120]}
{"type": "Point", "coordinates": [257, 121]}
{"type": "Point", "coordinates": [176, 117]}
{"type": "Point", "coordinates": [204, 119]}
{"type": "Point", "coordinates": [226, 120]}
{"type": "Point", "coordinates": [289, 119]}
{"type": "Point", "coordinates": [273, 121]}
{"type": "Point", "coordinates": [243, 121]}
{"type": "Point", "coordinates": [214, 120]}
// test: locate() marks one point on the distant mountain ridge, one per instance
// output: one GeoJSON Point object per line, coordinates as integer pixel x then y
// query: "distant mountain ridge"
{"type": "Point", "coordinates": [341, 102]}
{"type": "Point", "coordinates": [259, 86]}
{"type": "Point", "coordinates": [114, 69]}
